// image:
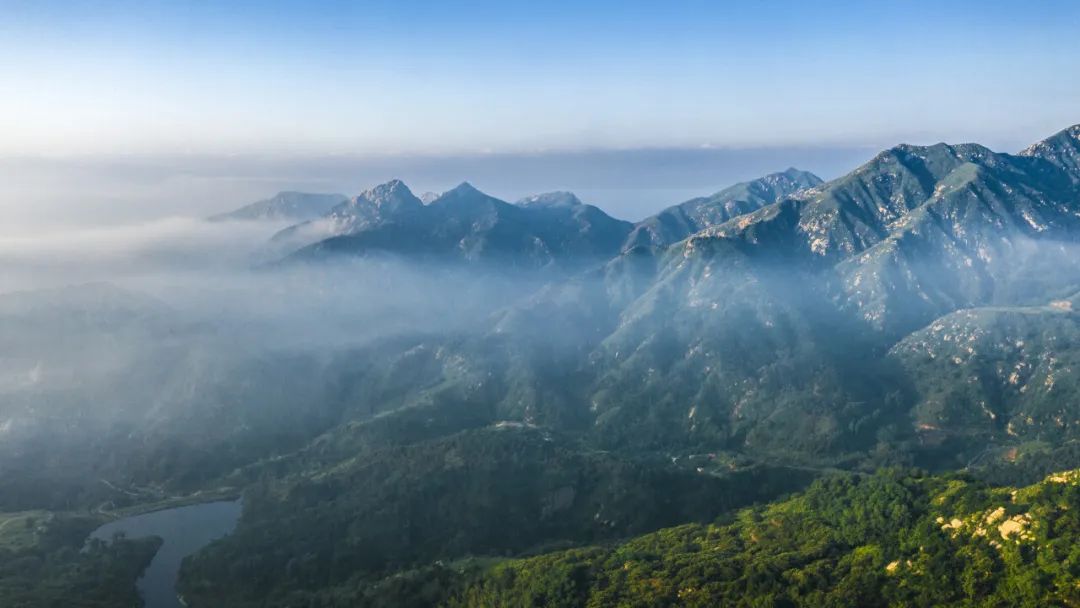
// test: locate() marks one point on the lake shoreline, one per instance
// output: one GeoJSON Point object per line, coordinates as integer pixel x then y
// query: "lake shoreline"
{"type": "Point", "coordinates": [184, 530]}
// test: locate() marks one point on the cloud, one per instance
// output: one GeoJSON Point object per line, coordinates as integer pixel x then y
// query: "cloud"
{"type": "Point", "coordinates": [50, 257]}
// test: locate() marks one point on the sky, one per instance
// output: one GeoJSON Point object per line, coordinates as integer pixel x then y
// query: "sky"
{"type": "Point", "coordinates": [514, 96]}
{"type": "Point", "coordinates": [407, 77]}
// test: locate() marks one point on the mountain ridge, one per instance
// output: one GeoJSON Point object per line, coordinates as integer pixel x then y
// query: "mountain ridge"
{"type": "Point", "coordinates": [468, 225]}
{"type": "Point", "coordinates": [285, 205]}
{"type": "Point", "coordinates": [680, 221]}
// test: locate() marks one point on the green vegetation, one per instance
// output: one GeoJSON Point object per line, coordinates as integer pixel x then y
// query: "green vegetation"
{"type": "Point", "coordinates": [44, 563]}
{"type": "Point", "coordinates": [897, 539]}
{"type": "Point", "coordinates": [499, 491]}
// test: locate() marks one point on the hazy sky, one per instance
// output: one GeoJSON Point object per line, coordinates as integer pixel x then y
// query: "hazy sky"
{"type": "Point", "coordinates": [408, 77]}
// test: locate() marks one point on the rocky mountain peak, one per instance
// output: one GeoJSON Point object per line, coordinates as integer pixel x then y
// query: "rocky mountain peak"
{"type": "Point", "coordinates": [393, 194]}
{"type": "Point", "coordinates": [551, 200]}
{"type": "Point", "coordinates": [1061, 150]}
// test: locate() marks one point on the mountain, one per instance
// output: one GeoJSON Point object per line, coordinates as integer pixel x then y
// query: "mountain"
{"type": "Point", "coordinates": [540, 489]}
{"type": "Point", "coordinates": [794, 297]}
{"type": "Point", "coordinates": [295, 206]}
{"type": "Point", "coordinates": [884, 540]}
{"type": "Point", "coordinates": [997, 373]}
{"type": "Point", "coordinates": [550, 200]}
{"type": "Point", "coordinates": [920, 231]}
{"type": "Point", "coordinates": [1061, 150]}
{"type": "Point", "coordinates": [879, 199]}
{"type": "Point", "coordinates": [769, 334]}
{"type": "Point", "coordinates": [466, 225]}
{"type": "Point", "coordinates": [918, 311]}
{"type": "Point", "coordinates": [45, 560]}
{"type": "Point", "coordinates": [384, 203]}
{"type": "Point", "coordinates": [560, 220]}
{"type": "Point", "coordinates": [680, 221]}
{"type": "Point", "coordinates": [986, 234]}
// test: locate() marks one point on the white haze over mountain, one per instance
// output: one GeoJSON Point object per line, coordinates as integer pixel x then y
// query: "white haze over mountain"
{"type": "Point", "coordinates": [215, 272]}
{"type": "Point", "coordinates": [137, 223]}
{"type": "Point", "coordinates": [628, 184]}
{"type": "Point", "coordinates": [152, 325]}
{"type": "Point", "coordinates": [134, 231]}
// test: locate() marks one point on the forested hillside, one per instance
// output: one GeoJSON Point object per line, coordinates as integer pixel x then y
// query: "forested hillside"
{"type": "Point", "coordinates": [894, 538]}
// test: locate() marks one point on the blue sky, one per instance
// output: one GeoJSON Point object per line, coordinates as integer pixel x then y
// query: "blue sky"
{"type": "Point", "coordinates": [387, 78]}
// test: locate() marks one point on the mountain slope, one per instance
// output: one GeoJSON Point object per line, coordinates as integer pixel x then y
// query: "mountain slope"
{"type": "Point", "coordinates": [1061, 150]}
{"type": "Point", "coordinates": [773, 325]}
{"type": "Point", "coordinates": [985, 227]}
{"type": "Point", "coordinates": [920, 231]}
{"type": "Point", "coordinates": [680, 221]}
{"type": "Point", "coordinates": [294, 206]}
{"type": "Point", "coordinates": [499, 490]}
{"type": "Point", "coordinates": [1002, 373]}
{"type": "Point", "coordinates": [768, 334]}
{"type": "Point", "coordinates": [466, 225]}
{"type": "Point", "coordinates": [884, 540]}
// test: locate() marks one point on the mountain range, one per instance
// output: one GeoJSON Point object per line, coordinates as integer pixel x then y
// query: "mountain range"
{"type": "Point", "coordinates": [538, 231]}
{"type": "Point", "coordinates": [776, 309]}
{"type": "Point", "coordinates": [597, 433]}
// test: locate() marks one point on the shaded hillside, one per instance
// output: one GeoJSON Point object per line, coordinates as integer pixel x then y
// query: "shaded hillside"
{"type": "Point", "coordinates": [680, 221]}
{"type": "Point", "coordinates": [497, 491]}
{"type": "Point", "coordinates": [291, 206]}
{"type": "Point", "coordinates": [467, 225]}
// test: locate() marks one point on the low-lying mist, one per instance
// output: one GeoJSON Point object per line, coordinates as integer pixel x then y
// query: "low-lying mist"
{"type": "Point", "coordinates": [224, 274]}
{"type": "Point", "coordinates": [181, 336]}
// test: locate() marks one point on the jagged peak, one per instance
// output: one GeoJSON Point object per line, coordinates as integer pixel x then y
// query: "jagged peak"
{"type": "Point", "coordinates": [796, 173]}
{"type": "Point", "coordinates": [1070, 135]}
{"type": "Point", "coordinates": [391, 196]}
{"type": "Point", "coordinates": [1061, 150]}
{"type": "Point", "coordinates": [791, 175]}
{"type": "Point", "coordinates": [394, 186]}
{"type": "Point", "coordinates": [780, 180]}
{"type": "Point", "coordinates": [1072, 132]}
{"type": "Point", "coordinates": [551, 199]}
{"type": "Point", "coordinates": [941, 152]}
{"type": "Point", "coordinates": [393, 190]}
{"type": "Point", "coordinates": [463, 191]}
{"type": "Point", "coordinates": [960, 150]}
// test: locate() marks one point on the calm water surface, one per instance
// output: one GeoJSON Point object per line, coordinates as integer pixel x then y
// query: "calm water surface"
{"type": "Point", "coordinates": [185, 530]}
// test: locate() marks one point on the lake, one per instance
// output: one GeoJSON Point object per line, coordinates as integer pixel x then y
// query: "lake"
{"type": "Point", "coordinates": [185, 530]}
